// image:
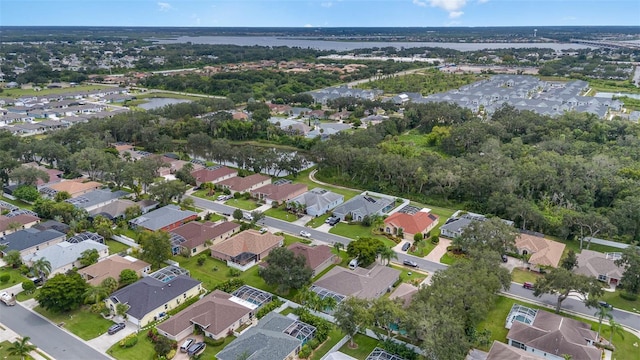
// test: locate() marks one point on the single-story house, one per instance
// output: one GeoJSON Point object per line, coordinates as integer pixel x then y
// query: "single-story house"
{"type": "Point", "coordinates": [197, 237]}
{"type": "Point", "coordinates": [165, 218]}
{"type": "Point", "coordinates": [175, 164]}
{"type": "Point", "coordinates": [363, 205]}
{"type": "Point", "coordinates": [216, 314]}
{"type": "Point", "coordinates": [275, 337]}
{"type": "Point", "coordinates": [213, 174]}
{"type": "Point", "coordinates": [113, 210]}
{"type": "Point", "coordinates": [149, 299]}
{"type": "Point", "coordinates": [318, 201]}
{"type": "Point", "coordinates": [404, 293]}
{"type": "Point", "coordinates": [419, 223]}
{"type": "Point", "coordinates": [112, 266]}
{"type": "Point", "coordinates": [551, 336]}
{"type": "Point", "coordinates": [600, 266]}
{"type": "Point", "coordinates": [543, 252]}
{"type": "Point", "coordinates": [12, 224]}
{"type": "Point", "coordinates": [318, 258]}
{"type": "Point", "coordinates": [53, 225]}
{"type": "Point", "coordinates": [74, 187]}
{"type": "Point", "coordinates": [30, 240]}
{"type": "Point", "coordinates": [456, 224]}
{"type": "Point", "coordinates": [96, 198]}
{"type": "Point", "coordinates": [502, 351]}
{"type": "Point", "coordinates": [63, 256]}
{"type": "Point", "coordinates": [360, 282]}
{"type": "Point", "coordinates": [279, 193]}
{"type": "Point", "coordinates": [244, 184]}
{"type": "Point", "coordinates": [246, 249]}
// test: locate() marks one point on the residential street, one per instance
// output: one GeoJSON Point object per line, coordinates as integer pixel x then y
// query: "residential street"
{"type": "Point", "coordinates": [53, 340]}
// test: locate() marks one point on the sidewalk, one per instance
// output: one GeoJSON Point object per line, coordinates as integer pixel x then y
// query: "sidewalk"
{"type": "Point", "coordinates": [9, 335]}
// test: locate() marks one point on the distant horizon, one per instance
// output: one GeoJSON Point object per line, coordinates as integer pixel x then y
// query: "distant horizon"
{"type": "Point", "coordinates": [319, 27]}
{"type": "Point", "coordinates": [319, 13]}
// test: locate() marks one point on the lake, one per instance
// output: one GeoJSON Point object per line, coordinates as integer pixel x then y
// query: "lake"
{"type": "Point", "coordinates": [351, 45]}
{"type": "Point", "coordinates": [610, 95]}
{"type": "Point", "coordinates": [155, 103]}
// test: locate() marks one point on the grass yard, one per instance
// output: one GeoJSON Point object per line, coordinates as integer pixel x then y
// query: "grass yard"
{"type": "Point", "coordinates": [17, 203]}
{"type": "Point", "coordinates": [16, 93]}
{"type": "Point", "coordinates": [303, 178]}
{"type": "Point", "coordinates": [496, 319]}
{"type": "Point", "coordinates": [614, 299]}
{"type": "Point", "coordinates": [280, 213]}
{"type": "Point", "coordinates": [14, 277]}
{"type": "Point", "coordinates": [4, 352]}
{"type": "Point", "coordinates": [116, 247]}
{"type": "Point", "coordinates": [449, 258]}
{"type": "Point", "coordinates": [524, 275]}
{"type": "Point", "coordinates": [288, 239]}
{"type": "Point", "coordinates": [365, 347]}
{"type": "Point", "coordinates": [334, 336]}
{"type": "Point", "coordinates": [130, 233]}
{"type": "Point", "coordinates": [317, 221]}
{"type": "Point", "coordinates": [355, 231]}
{"type": "Point", "coordinates": [244, 204]}
{"type": "Point", "coordinates": [211, 351]}
{"type": "Point", "coordinates": [22, 296]}
{"type": "Point", "coordinates": [143, 350]}
{"type": "Point", "coordinates": [81, 322]}
{"type": "Point", "coordinates": [423, 249]}
{"type": "Point", "coordinates": [414, 279]}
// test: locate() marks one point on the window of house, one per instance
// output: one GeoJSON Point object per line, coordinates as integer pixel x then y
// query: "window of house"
{"type": "Point", "coordinates": [193, 250]}
{"type": "Point", "coordinates": [602, 277]}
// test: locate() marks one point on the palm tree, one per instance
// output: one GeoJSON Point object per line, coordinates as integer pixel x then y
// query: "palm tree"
{"type": "Point", "coordinates": [21, 347]}
{"type": "Point", "coordinates": [328, 303]}
{"type": "Point", "coordinates": [387, 253]}
{"type": "Point", "coordinates": [614, 327]}
{"type": "Point", "coordinates": [94, 294]}
{"type": "Point", "coordinates": [41, 268]}
{"type": "Point", "coordinates": [603, 312]}
{"type": "Point", "coordinates": [338, 246]}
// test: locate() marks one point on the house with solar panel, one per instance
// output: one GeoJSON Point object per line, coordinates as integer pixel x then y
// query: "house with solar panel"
{"type": "Point", "coordinates": [95, 199]}
{"type": "Point", "coordinates": [150, 298]}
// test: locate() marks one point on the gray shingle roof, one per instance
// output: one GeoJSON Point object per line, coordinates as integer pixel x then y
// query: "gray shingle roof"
{"type": "Point", "coordinates": [27, 238]}
{"type": "Point", "coordinates": [159, 218]}
{"type": "Point", "coordinates": [361, 206]}
{"type": "Point", "coordinates": [96, 197]}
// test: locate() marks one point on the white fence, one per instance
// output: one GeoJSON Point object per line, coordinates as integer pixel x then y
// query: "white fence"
{"type": "Point", "coordinates": [605, 242]}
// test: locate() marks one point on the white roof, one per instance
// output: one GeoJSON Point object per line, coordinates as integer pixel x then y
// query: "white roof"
{"type": "Point", "coordinates": [64, 253]}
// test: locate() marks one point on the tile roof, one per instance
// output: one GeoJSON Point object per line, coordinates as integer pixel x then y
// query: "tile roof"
{"type": "Point", "coordinates": [197, 233]}
{"type": "Point", "coordinates": [280, 192]}
{"type": "Point", "coordinates": [405, 293]}
{"type": "Point", "coordinates": [244, 183]}
{"type": "Point", "coordinates": [317, 198]}
{"type": "Point", "coordinates": [214, 313]}
{"type": "Point", "coordinates": [543, 252]}
{"type": "Point", "coordinates": [96, 197]}
{"type": "Point", "coordinates": [314, 255]}
{"type": "Point", "coordinates": [502, 351]}
{"type": "Point", "coordinates": [361, 282]}
{"type": "Point", "coordinates": [114, 209]}
{"type": "Point", "coordinates": [112, 267]}
{"type": "Point", "coordinates": [207, 175]}
{"type": "Point", "coordinates": [21, 219]}
{"type": "Point", "coordinates": [75, 186]}
{"type": "Point", "coordinates": [412, 224]}
{"type": "Point", "coordinates": [248, 241]}
{"type": "Point", "coordinates": [361, 206]}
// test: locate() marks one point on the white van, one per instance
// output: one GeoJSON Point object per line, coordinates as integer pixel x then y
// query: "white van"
{"type": "Point", "coordinates": [353, 263]}
{"type": "Point", "coordinates": [186, 344]}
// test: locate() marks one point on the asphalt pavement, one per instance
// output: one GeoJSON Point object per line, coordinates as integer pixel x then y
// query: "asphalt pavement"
{"type": "Point", "coordinates": [53, 340]}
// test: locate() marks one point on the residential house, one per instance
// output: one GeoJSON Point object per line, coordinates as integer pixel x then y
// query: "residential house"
{"type": "Point", "coordinates": [246, 249]}
{"type": "Point", "coordinates": [318, 201]}
{"type": "Point", "coordinates": [30, 240]}
{"type": "Point", "coordinates": [502, 351]}
{"type": "Point", "coordinates": [278, 192]}
{"type": "Point", "coordinates": [408, 225]}
{"type": "Point", "coordinates": [217, 314]}
{"type": "Point", "coordinates": [96, 198]}
{"type": "Point", "coordinates": [64, 255]}
{"type": "Point", "coordinates": [112, 266]}
{"type": "Point", "coordinates": [552, 336]}
{"type": "Point", "coordinates": [318, 258]}
{"type": "Point", "coordinates": [213, 174]}
{"type": "Point", "coordinates": [360, 282]}
{"type": "Point", "coordinates": [245, 184]}
{"type": "Point", "coordinates": [55, 175]}
{"type": "Point", "coordinates": [196, 237]}
{"type": "Point", "coordinates": [12, 224]}
{"type": "Point", "coordinates": [149, 298]}
{"type": "Point", "coordinates": [363, 205]}
{"type": "Point", "coordinates": [600, 266]}
{"type": "Point", "coordinates": [75, 187]}
{"type": "Point", "coordinates": [165, 218]}
{"type": "Point", "coordinates": [53, 225]}
{"type": "Point", "coordinates": [275, 337]}
{"type": "Point", "coordinates": [459, 221]}
{"type": "Point", "coordinates": [404, 293]}
{"type": "Point", "coordinates": [113, 210]}
{"type": "Point", "coordinates": [542, 252]}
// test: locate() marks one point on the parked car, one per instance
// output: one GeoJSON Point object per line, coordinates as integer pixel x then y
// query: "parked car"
{"type": "Point", "coordinates": [222, 197]}
{"type": "Point", "coordinates": [115, 328]}
{"type": "Point", "coordinates": [605, 304]}
{"type": "Point", "coordinates": [406, 246]}
{"type": "Point", "coordinates": [329, 219]}
{"type": "Point", "coordinates": [196, 348]}
{"type": "Point", "coordinates": [504, 258]}
{"type": "Point", "coordinates": [353, 263]}
{"type": "Point", "coordinates": [334, 221]}
{"type": "Point", "coordinates": [186, 344]}
{"type": "Point", "coordinates": [305, 234]}
{"type": "Point", "coordinates": [410, 263]}
{"type": "Point", "coordinates": [248, 217]}
{"type": "Point", "coordinates": [528, 285]}
{"type": "Point", "coordinates": [263, 230]}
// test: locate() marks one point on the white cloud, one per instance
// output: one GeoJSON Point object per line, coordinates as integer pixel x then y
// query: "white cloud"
{"type": "Point", "coordinates": [164, 6]}
{"type": "Point", "coordinates": [448, 5]}
{"type": "Point", "coordinates": [308, 25]}
{"type": "Point", "coordinates": [455, 14]}
{"type": "Point", "coordinates": [326, 4]}
{"type": "Point", "coordinates": [419, 3]}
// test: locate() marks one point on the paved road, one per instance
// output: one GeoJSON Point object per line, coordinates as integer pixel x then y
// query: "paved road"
{"type": "Point", "coordinates": [53, 340]}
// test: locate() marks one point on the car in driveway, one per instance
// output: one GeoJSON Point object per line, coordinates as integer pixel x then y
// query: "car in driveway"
{"type": "Point", "coordinates": [406, 246]}
{"type": "Point", "coordinates": [504, 258]}
{"type": "Point", "coordinates": [305, 234]}
{"type": "Point", "coordinates": [196, 348]}
{"type": "Point", "coordinates": [332, 220]}
{"type": "Point", "coordinates": [410, 263]}
{"type": "Point", "coordinates": [115, 328]}
{"type": "Point", "coordinates": [186, 344]}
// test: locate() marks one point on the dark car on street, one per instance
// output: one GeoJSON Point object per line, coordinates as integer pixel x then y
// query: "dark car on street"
{"type": "Point", "coordinates": [528, 285]}
{"type": "Point", "coordinates": [115, 328]}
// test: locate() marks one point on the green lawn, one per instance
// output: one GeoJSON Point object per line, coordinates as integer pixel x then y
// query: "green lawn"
{"type": "Point", "coordinates": [16, 93]}
{"type": "Point", "coordinates": [130, 233]}
{"type": "Point", "coordinates": [17, 203]}
{"type": "Point", "coordinates": [281, 214]}
{"type": "Point", "coordinates": [423, 249]}
{"type": "Point", "coordinates": [143, 350]}
{"type": "Point", "coordinates": [497, 316]}
{"type": "Point", "coordinates": [288, 239]}
{"type": "Point", "coordinates": [524, 275]}
{"type": "Point", "coordinates": [449, 258]}
{"type": "Point", "coordinates": [317, 221]}
{"type": "Point", "coordinates": [355, 231]}
{"type": "Point", "coordinates": [4, 352]}
{"type": "Point", "coordinates": [334, 336]}
{"type": "Point", "coordinates": [365, 347]}
{"type": "Point", "coordinates": [211, 351]}
{"type": "Point", "coordinates": [614, 299]}
{"type": "Point", "coordinates": [167, 95]}
{"type": "Point", "coordinates": [22, 296]}
{"type": "Point", "coordinates": [215, 217]}
{"type": "Point", "coordinates": [81, 322]}
{"type": "Point", "coordinates": [116, 247]}
{"type": "Point", "coordinates": [303, 178]}
{"type": "Point", "coordinates": [245, 204]}
{"type": "Point", "coordinates": [414, 279]}
{"type": "Point", "coordinates": [14, 277]}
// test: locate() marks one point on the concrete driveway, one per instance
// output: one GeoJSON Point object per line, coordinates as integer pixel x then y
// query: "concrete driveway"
{"type": "Point", "coordinates": [512, 263]}
{"type": "Point", "coordinates": [439, 250]}
{"type": "Point", "coordinates": [105, 341]}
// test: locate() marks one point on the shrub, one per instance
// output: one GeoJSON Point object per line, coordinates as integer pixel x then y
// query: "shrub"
{"type": "Point", "coordinates": [213, 342]}
{"type": "Point", "coordinates": [4, 278]}
{"type": "Point", "coordinates": [417, 237]}
{"type": "Point", "coordinates": [628, 296]}
{"type": "Point", "coordinates": [305, 352]}
{"type": "Point", "coordinates": [129, 341]}
{"type": "Point", "coordinates": [229, 286]}
{"type": "Point", "coordinates": [171, 354]}
{"type": "Point", "coordinates": [323, 327]}
{"type": "Point", "coordinates": [267, 308]}
{"type": "Point", "coordinates": [399, 349]}
{"type": "Point", "coordinates": [28, 286]}
{"type": "Point", "coordinates": [435, 239]}
{"type": "Point", "coordinates": [201, 260]}
{"type": "Point", "coordinates": [233, 272]}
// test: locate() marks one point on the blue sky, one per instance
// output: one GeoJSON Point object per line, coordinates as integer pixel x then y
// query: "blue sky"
{"type": "Point", "coordinates": [319, 13]}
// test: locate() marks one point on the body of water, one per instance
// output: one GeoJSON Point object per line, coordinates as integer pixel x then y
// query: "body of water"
{"type": "Point", "coordinates": [610, 95]}
{"type": "Point", "coordinates": [351, 45]}
{"type": "Point", "coordinates": [155, 103]}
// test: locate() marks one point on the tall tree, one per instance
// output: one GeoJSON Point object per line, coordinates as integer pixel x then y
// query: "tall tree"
{"type": "Point", "coordinates": [41, 268]}
{"type": "Point", "coordinates": [95, 294]}
{"type": "Point", "coordinates": [13, 258]}
{"type": "Point", "coordinates": [387, 254]}
{"type": "Point", "coordinates": [601, 313]}
{"type": "Point", "coordinates": [126, 277]}
{"type": "Point", "coordinates": [28, 175]}
{"type": "Point", "coordinates": [561, 281]}
{"type": "Point", "coordinates": [365, 249]}
{"type": "Point", "coordinates": [386, 312]}
{"type": "Point", "coordinates": [286, 270]}
{"type": "Point", "coordinates": [62, 293]}
{"type": "Point", "coordinates": [570, 261]}
{"type": "Point", "coordinates": [156, 247]}
{"type": "Point", "coordinates": [615, 328]}
{"type": "Point", "coordinates": [493, 234]}
{"type": "Point", "coordinates": [353, 315]}
{"type": "Point", "coordinates": [21, 348]}
{"type": "Point", "coordinates": [89, 257]}
{"type": "Point", "coordinates": [630, 261]}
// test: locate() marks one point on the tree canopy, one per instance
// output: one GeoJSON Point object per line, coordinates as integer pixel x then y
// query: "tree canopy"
{"type": "Point", "coordinates": [286, 270]}
{"type": "Point", "coordinates": [365, 249]}
{"type": "Point", "coordinates": [156, 247]}
{"type": "Point", "coordinates": [63, 292]}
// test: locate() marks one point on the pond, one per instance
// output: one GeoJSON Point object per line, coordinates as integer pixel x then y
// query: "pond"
{"type": "Point", "coordinates": [156, 103]}
{"type": "Point", "coordinates": [610, 95]}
